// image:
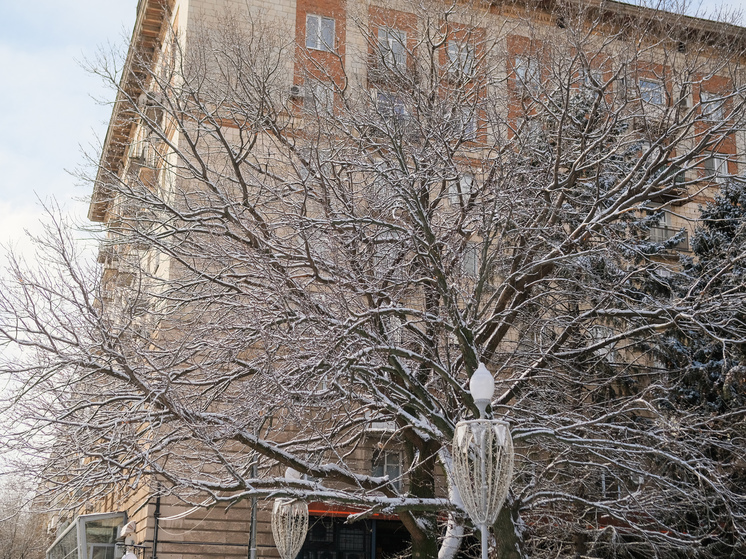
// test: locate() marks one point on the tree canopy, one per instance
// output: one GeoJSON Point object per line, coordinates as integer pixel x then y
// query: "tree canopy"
{"type": "Point", "coordinates": [293, 277]}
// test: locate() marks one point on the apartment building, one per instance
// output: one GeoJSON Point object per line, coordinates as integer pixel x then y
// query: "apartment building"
{"type": "Point", "coordinates": [321, 215]}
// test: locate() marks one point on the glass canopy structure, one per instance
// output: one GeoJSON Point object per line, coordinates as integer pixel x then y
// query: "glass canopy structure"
{"type": "Point", "coordinates": [90, 536]}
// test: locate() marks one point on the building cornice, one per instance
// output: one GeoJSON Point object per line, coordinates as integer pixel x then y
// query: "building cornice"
{"type": "Point", "coordinates": [150, 24]}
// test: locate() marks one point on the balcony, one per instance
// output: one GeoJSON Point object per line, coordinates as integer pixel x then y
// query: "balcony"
{"type": "Point", "coordinates": [660, 234]}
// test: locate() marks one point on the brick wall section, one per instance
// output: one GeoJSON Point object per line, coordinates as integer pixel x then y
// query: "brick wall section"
{"type": "Point", "coordinates": [319, 64]}
{"type": "Point", "coordinates": [278, 15]}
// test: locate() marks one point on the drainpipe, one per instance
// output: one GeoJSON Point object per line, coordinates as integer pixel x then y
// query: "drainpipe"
{"type": "Point", "coordinates": [156, 516]}
{"type": "Point", "coordinates": [252, 531]}
{"type": "Point", "coordinates": [252, 526]}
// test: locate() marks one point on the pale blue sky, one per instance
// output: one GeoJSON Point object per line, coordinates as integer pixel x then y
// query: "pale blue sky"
{"type": "Point", "coordinates": [47, 106]}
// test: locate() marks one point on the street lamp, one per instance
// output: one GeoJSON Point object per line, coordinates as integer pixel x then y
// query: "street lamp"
{"type": "Point", "coordinates": [482, 458]}
{"type": "Point", "coordinates": [289, 522]}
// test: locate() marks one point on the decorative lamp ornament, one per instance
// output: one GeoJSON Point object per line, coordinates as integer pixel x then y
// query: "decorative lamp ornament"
{"type": "Point", "coordinates": [482, 387]}
{"type": "Point", "coordinates": [129, 555]}
{"type": "Point", "coordinates": [482, 454]}
{"type": "Point", "coordinates": [289, 522]}
{"type": "Point", "coordinates": [289, 526]}
{"type": "Point", "coordinates": [482, 467]}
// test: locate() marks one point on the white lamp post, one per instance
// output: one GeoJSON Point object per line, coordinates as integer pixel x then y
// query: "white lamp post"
{"type": "Point", "coordinates": [289, 522]}
{"type": "Point", "coordinates": [482, 458]}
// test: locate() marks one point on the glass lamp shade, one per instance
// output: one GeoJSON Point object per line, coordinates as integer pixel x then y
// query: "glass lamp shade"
{"type": "Point", "coordinates": [482, 467]}
{"type": "Point", "coordinates": [292, 473]}
{"type": "Point", "coordinates": [289, 526]}
{"type": "Point", "coordinates": [482, 387]}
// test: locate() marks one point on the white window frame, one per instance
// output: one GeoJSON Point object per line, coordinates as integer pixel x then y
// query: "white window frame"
{"type": "Point", "coordinates": [664, 216]}
{"type": "Point", "coordinates": [81, 541]}
{"type": "Point", "coordinates": [463, 122]}
{"type": "Point", "coordinates": [469, 123]}
{"type": "Point", "coordinates": [716, 167]}
{"type": "Point", "coordinates": [531, 127]}
{"type": "Point", "coordinates": [470, 259]}
{"type": "Point", "coordinates": [377, 424]}
{"type": "Point", "coordinates": [713, 106]}
{"type": "Point", "coordinates": [318, 97]}
{"type": "Point", "coordinates": [391, 466]}
{"type": "Point", "coordinates": [652, 92]}
{"type": "Point", "coordinates": [528, 72]}
{"type": "Point", "coordinates": [392, 44]}
{"type": "Point", "coordinates": [461, 189]}
{"type": "Point", "coordinates": [316, 26]}
{"type": "Point", "coordinates": [384, 258]}
{"type": "Point", "coordinates": [394, 329]}
{"type": "Point", "coordinates": [600, 333]}
{"type": "Point", "coordinates": [620, 88]}
{"type": "Point", "coordinates": [460, 58]}
{"type": "Point", "coordinates": [380, 185]}
{"type": "Point", "coordinates": [662, 229]}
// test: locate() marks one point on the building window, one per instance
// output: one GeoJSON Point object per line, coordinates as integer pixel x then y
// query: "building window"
{"type": "Point", "coordinates": [321, 531]}
{"type": "Point", "coordinates": [621, 89]}
{"type": "Point", "coordinates": [351, 538]}
{"type": "Point", "coordinates": [662, 221]}
{"type": "Point", "coordinates": [716, 168]}
{"type": "Point", "coordinates": [392, 44]}
{"type": "Point", "coordinates": [394, 330]}
{"type": "Point", "coordinates": [462, 123]}
{"type": "Point", "coordinates": [318, 97]}
{"type": "Point", "coordinates": [713, 106]}
{"type": "Point", "coordinates": [387, 251]}
{"type": "Point", "coordinates": [661, 230]}
{"type": "Point", "coordinates": [334, 538]}
{"type": "Point", "coordinates": [600, 334]}
{"type": "Point", "coordinates": [470, 259]}
{"type": "Point", "coordinates": [461, 189]}
{"type": "Point", "coordinates": [651, 92]}
{"type": "Point", "coordinates": [91, 535]}
{"type": "Point", "coordinates": [679, 177]}
{"type": "Point", "coordinates": [390, 106]}
{"type": "Point", "coordinates": [379, 424]}
{"type": "Point", "coordinates": [528, 72]}
{"type": "Point", "coordinates": [460, 58]}
{"type": "Point", "coordinates": [469, 123]}
{"type": "Point", "coordinates": [387, 463]}
{"type": "Point", "coordinates": [319, 32]}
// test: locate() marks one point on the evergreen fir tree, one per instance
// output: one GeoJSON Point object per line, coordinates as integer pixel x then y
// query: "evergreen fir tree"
{"type": "Point", "coordinates": [709, 349]}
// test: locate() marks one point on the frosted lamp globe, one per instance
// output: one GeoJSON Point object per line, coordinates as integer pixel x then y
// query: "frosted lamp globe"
{"type": "Point", "coordinates": [482, 387]}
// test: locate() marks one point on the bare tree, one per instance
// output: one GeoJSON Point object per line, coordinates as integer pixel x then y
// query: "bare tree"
{"type": "Point", "coordinates": [286, 267]}
{"type": "Point", "coordinates": [22, 532]}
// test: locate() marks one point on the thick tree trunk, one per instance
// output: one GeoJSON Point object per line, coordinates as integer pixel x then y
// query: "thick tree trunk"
{"type": "Point", "coordinates": [422, 484]}
{"type": "Point", "coordinates": [425, 548]}
{"type": "Point", "coordinates": [509, 532]}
